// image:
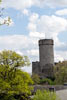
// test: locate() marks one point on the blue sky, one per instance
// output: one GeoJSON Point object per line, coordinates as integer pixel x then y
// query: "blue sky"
{"type": "Point", "coordinates": [32, 20]}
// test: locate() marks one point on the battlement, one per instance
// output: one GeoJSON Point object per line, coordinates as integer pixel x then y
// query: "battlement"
{"type": "Point", "coordinates": [46, 42]}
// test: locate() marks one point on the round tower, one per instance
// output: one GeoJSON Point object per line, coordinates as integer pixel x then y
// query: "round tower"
{"type": "Point", "coordinates": [46, 52]}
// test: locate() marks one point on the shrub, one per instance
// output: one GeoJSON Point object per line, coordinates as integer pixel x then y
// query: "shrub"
{"type": "Point", "coordinates": [47, 81]}
{"type": "Point", "coordinates": [45, 95]}
{"type": "Point", "coordinates": [36, 79]}
{"type": "Point", "coordinates": [61, 73]}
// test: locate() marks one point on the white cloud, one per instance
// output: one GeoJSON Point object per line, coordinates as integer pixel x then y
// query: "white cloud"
{"type": "Point", "coordinates": [24, 4]}
{"type": "Point", "coordinates": [33, 22]}
{"type": "Point", "coordinates": [33, 52]}
{"type": "Point", "coordinates": [61, 12]}
{"type": "Point", "coordinates": [33, 18]}
{"type": "Point", "coordinates": [19, 52]}
{"type": "Point", "coordinates": [27, 69]}
{"type": "Point", "coordinates": [19, 4]}
{"type": "Point", "coordinates": [25, 12]}
{"type": "Point", "coordinates": [14, 42]}
{"type": "Point", "coordinates": [37, 35]}
{"type": "Point", "coordinates": [19, 43]}
{"type": "Point", "coordinates": [49, 25]}
{"type": "Point", "coordinates": [1, 21]}
{"type": "Point", "coordinates": [32, 26]}
{"type": "Point", "coordinates": [58, 57]}
{"type": "Point", "coordinates": [56, 3]}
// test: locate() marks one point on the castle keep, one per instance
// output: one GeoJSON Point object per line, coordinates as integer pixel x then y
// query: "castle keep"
{"type": "Point", "coordinates": [44, 68]}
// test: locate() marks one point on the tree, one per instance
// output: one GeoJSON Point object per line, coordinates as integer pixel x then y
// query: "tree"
{"type": "Point", "coordinates": [45, 95]}
{"type": "Point", "coordinates": [14, 82]}
{"type": "Point", "coordinates": [12, 59]}
{"type": "Point", "coordinates": [61, 72]}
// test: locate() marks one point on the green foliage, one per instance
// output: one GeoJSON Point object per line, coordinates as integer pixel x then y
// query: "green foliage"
{"type": "Point", "coordinates": [0, 0]}
{"type": "Point", "coordinates": [45, 95]}
{"type": "Point", "coordinates": [7, 97]}
{"type": "Point", "coordinates": [13, 59]}
{"type": "Point", "coordinates": [13, 81]}
{"type": "Point", "coordinates": [47, 81]}
{"type": "Point", "coordinates": [36, 79]}
{"type": "Point", "coordinates": [61, 72]}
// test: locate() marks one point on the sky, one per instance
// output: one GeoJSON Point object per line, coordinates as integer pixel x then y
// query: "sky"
{"type": "Point", "coordinates": [32, 20]}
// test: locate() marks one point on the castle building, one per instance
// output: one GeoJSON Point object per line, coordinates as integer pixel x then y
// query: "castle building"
{"type": "Point", "coordinates": [44, 68]}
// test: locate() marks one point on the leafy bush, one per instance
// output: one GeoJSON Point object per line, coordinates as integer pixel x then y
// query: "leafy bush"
{"type": "Point", "coordinates": [36, 79]}
{"type": "Point", "coordinates": [45, 95]}
{"type": "Point", "coordinates": [6, 97]}
{"type": "Point", "coordinates": [61, 73]}
{"type": "Point", "coordinates": [47, 81]}
{"type": "Point", "coordinates": [18, 83]}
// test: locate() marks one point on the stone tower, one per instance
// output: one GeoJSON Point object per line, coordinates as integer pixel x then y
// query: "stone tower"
{"type": "Point", "coordinates": [44, 67]}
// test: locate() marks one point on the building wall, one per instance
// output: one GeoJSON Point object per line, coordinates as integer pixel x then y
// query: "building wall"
{"type": "Point", "coordinates": [35, 67]}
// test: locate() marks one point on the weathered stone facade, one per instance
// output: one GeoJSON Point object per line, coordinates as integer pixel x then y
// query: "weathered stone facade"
{"type": "Point", "coordinates": [44, 67]}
